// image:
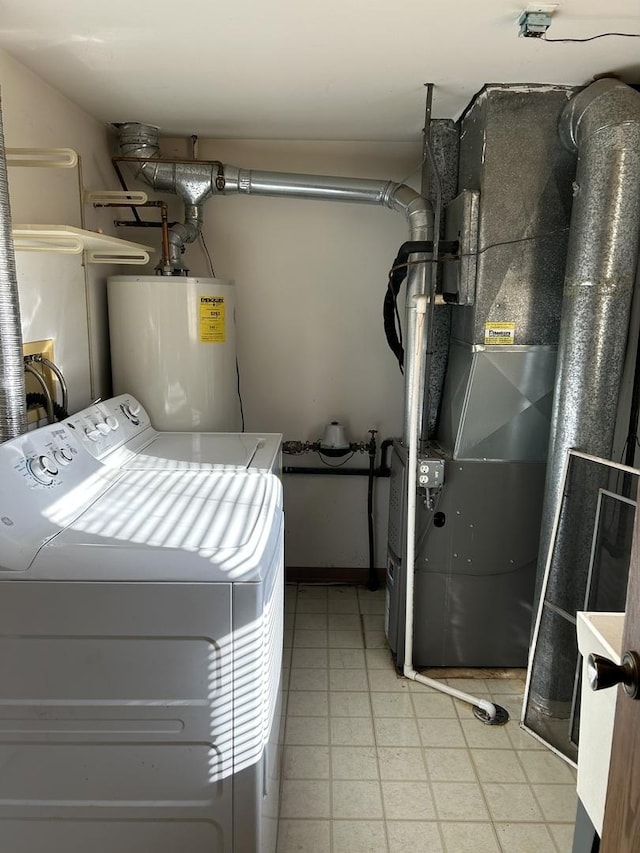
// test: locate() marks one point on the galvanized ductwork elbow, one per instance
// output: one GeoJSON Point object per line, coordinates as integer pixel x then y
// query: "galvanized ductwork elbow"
{"type": "Point", "coordinates": [605, 105]}
{"type": "Point", "coordinates": [183, 233]}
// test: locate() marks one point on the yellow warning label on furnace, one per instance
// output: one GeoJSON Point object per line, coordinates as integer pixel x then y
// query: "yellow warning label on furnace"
{"type": "Point", "coordinates": [500, 334]}
{"type": "Point", "coordinates": [212, 320]}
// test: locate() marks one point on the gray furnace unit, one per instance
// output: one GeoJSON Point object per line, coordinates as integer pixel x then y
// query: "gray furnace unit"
{"type": "Point", "coordinates": [477, 535]}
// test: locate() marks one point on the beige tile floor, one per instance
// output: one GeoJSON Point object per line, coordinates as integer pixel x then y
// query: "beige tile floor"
{"type": "Point", "coordinates": [374, 763]}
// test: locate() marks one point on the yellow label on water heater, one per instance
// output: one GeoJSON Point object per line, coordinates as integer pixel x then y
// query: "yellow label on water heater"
{"type": "Point", "coordinates": [212, 320]}
{"type": "Point", "coordinates": [499, 334]}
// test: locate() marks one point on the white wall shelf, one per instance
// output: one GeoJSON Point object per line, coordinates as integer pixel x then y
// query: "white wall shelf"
{"type": "Point", "coordinates": [65, 158]}
{"type": "Point", "coordinates": [99, 248]}
{"type": "Point", "coordinates": [125, 198]}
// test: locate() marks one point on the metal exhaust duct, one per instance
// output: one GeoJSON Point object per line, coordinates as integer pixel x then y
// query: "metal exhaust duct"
{"type": "Point", "coordinates": [601, 123]}
{"type": "Point", "coordinates": [194, 183]}
{"type": "Point", "coordinates": [13, 419]}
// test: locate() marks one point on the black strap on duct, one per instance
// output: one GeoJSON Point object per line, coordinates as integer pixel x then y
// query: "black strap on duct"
{"type": "Point", "coordinates": [396, 277]}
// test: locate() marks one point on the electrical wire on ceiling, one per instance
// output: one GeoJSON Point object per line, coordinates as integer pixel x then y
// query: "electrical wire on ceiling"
{"type": "Point", "coordinates": [593, 38]}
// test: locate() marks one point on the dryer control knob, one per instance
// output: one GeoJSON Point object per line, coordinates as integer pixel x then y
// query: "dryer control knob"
{"type": "Point", "coordinates": [112, 422]}
{"type": "Point", "coordinates": [43, 468]}
{"type": "Point", "coordinates": [92, 434]}
{"type": "Point", "coordinates": [62, 456]}
{"type": "Point", "coordinates": [103, 428]}
{"type": "Point", "coordinates": [134, 407]}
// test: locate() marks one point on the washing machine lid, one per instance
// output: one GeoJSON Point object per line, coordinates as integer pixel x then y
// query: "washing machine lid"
{"type": "Point", "coordinates": [118, 432]}
{"type": "Point", "coordinates": [166, 526]}
{"type": "Point", "coordinates": [208, 451]}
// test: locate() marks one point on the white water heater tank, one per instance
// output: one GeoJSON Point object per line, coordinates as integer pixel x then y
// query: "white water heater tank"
{"type": "Point", "coordinates": [173, 346]}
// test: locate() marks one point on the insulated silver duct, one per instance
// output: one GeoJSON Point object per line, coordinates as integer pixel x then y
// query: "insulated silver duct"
{"type": "Point", "coordinates": [194, 183]}
{"type": "Point", "coordinates": [602, 123]}
{"type": "Point", "coordinates": [13, 419]}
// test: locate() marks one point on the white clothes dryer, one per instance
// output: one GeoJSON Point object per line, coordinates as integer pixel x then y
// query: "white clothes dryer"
{"type": "Point", "coordinates": [141, 622]}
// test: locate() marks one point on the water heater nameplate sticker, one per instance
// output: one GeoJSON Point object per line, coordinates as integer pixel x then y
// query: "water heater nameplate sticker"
{"type": "Point", "coordinates": [500, 334]}
{"type": "Point", "coordinates": [212, 320]}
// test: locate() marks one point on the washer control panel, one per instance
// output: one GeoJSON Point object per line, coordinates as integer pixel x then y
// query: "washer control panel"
{"type": "Point", "coordinates": [107, 425]}
{"type": "Point", "coordinates": [47, 479]}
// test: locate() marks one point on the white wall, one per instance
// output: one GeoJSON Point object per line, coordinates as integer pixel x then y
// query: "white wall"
{"type": "Point", "coordinates": [311, 279]}
{"type": "Point", "coordinates": [52, 287]}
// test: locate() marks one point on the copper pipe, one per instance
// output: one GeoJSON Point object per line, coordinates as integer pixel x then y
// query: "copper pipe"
{"type": "Point", "coordinates": [123, 184]}
{"type": "Point", "coordinates": [164, 214]}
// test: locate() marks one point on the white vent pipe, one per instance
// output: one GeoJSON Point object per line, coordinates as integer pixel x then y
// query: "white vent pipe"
{"type": "Point", "coordinates": [13, 406]}
{"type": "Point", "coordinates": [415, 406]}
{"type": "Point", "coordinates": [195, 182]}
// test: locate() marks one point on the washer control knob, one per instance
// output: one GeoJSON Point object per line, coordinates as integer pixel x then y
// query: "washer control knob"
{"type": "Point", "coordinates": [134, 407]}
{"type": "Point", "coordinates": [103, 428]}
{"type": "Point", "coordinates": [62, 456]}
{"type": "Point", "coordinates": [92, 433]}
{"type": "Point", "coordinates": [112, 422]}
{"type": "Point", "coordinates": [43, 468]}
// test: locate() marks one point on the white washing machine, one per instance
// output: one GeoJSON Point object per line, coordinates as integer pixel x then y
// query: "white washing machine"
{"type": "Point", "coordinates": [140, 653]}
{"type": "Point", "coordinates": [119, 433]}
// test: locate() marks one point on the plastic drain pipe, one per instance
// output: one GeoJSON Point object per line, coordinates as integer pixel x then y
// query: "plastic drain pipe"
{"type": "Point", "coordinates": [487, 712]}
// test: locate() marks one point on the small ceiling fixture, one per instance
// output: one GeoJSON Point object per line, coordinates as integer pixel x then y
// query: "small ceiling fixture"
{"type": "Point", "coordinates": [535, 20]}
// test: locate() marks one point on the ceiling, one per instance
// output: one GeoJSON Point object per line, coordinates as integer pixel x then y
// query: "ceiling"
{"type": "Point", "coordinates": [303, 69]}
